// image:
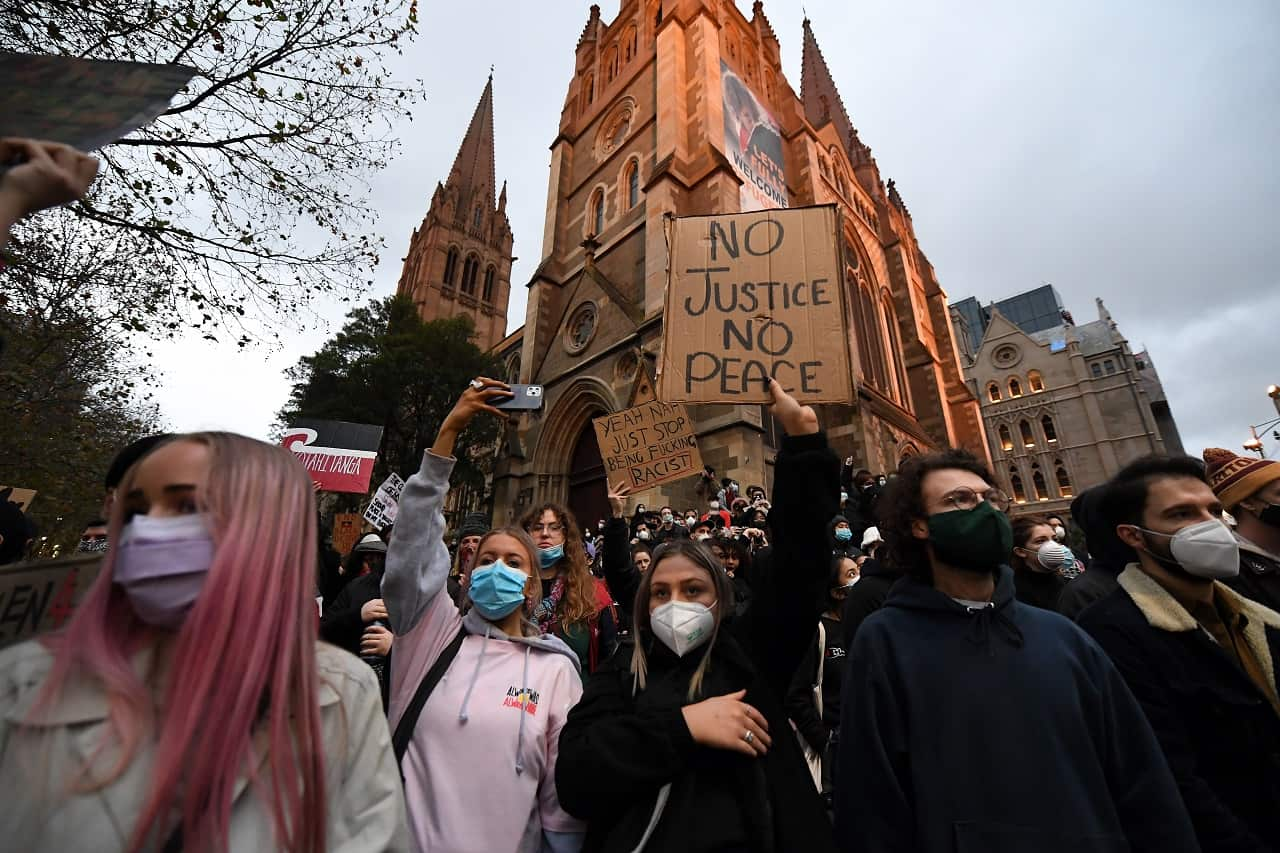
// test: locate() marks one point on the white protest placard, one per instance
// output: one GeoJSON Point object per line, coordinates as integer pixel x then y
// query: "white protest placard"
{"type": "Point", "coordinates": [382, 509]}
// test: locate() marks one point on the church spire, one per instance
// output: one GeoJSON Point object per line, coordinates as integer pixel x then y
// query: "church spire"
{"type": "Point", "coordinates": [821, 99]}
{"type": "Point", "coordinates": [473, 170]}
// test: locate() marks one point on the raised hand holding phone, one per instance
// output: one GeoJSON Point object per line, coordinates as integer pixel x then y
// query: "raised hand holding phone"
{"type": "Point", "coordinates": [481, 395]}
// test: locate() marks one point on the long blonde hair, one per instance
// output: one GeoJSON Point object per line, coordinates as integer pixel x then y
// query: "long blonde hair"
{"type": "Point", "coordinates": [700, 555]}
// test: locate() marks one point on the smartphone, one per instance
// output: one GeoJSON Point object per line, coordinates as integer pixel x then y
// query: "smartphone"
{"type": "Point", "coordinates": [527, 398]}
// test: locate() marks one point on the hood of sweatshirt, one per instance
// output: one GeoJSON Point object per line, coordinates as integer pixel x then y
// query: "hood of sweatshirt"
{"type": "Point", "coordinates": [477, 625]}
{"type": "Point", "coordinates": [981, 624]}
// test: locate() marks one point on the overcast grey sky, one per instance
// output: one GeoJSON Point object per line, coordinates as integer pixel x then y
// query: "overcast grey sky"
{"type": "Point", "coordinates": [1117, 149]}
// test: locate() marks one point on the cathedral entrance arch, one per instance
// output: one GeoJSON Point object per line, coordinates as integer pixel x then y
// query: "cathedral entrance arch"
{"type": "Point", "coordinates": [568, 457]}
{"type": "Point", "coordinates": [588, 498]}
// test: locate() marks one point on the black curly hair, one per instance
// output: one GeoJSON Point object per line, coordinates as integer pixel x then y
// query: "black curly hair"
{"type": "Point", "coordinates": [902, 503]}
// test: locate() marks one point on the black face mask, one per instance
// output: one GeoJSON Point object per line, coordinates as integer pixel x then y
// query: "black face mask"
{"type": "Point", "coordinates": [1270, 515]}
{"type": "Point", "coordinates": [976, 540]}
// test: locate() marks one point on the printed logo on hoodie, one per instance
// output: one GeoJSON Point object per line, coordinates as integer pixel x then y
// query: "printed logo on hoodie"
{"type": "Point", "coordinates": [518, 697]}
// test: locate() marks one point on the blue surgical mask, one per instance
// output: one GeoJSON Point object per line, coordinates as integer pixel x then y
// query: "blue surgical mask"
{"type": "Point", "coordinates": [497, 590]}
{"type": "Point", "coordinates": [843, 534]}
{"type": "Point", "coordinates": [550, 556]}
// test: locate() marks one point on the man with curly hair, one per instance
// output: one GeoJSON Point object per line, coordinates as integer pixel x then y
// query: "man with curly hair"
{"type": "Point", "coordinates": [973, 722]}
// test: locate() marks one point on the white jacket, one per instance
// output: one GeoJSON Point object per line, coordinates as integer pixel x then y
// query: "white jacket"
{"type": "Point", "coordinates": [365, 801]}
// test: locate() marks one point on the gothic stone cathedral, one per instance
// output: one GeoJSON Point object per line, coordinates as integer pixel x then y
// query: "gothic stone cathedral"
{"type": "Point", "coordinates": [680, 107]}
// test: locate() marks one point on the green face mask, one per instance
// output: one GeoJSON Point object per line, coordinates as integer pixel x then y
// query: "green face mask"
{"type": "Point", "coordinates": [976, 540]}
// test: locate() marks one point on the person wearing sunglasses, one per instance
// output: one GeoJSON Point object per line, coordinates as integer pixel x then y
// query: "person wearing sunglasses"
{"type": "Point", "coordinates": [971, 721]}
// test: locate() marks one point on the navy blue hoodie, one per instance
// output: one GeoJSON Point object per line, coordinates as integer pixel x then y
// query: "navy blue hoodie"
{"type": "Point", "coordinates": [994, 729]}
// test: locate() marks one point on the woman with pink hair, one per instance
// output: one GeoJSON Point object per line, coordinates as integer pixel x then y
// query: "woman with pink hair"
{"type": "Point", "coordinates": [187, 705]}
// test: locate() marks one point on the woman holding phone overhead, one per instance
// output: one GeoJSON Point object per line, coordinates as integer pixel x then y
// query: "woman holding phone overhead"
{"type": "Point", "coordinates": [683, 743]}
{"type": "Point", "coordinates": [478, 701]}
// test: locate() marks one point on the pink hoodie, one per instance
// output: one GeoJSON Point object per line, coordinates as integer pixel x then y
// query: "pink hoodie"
{"type": "Point", "coordinates": [480, 770]}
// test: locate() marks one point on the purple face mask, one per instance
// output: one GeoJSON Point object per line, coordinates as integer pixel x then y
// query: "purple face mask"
{"type": "Point", "coordinates": [161, 564]}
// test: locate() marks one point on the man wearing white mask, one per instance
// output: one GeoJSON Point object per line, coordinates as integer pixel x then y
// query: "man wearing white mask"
{"type": "Point", "coordinates": [1200, 658]}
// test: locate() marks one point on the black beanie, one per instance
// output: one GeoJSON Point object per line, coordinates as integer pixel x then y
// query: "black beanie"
{"type": "Point", "coordinates": [473, 524]}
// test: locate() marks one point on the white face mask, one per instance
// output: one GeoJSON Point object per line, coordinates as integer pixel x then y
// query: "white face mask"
{"type": "Point", "coordinates": [691, 520]}
{"type": "Point", "coordinates": [682, 626]}
{"type": "Point", "coordinates": [1207, 549]}
{"type": "Point", "coordinates": [1059, 532]}
{"type": "Point", "coordinates": [1052, 555]}
{"type": "Point", "coordinates": [642, 535]}
{"type": "Point", "coordinates": [715, 505]}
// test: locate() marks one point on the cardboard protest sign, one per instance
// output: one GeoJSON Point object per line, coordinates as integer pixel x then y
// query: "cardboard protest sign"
{"type": "Point", "coordinates": [21, 497]}
{"type": "Point", "coordinates": [753, 296]}
{"type": "Point", "coordinates": [346, 531]}
{"type": "Point", "coordinates": [338, 455]}
{"type": "Point", "coordinates": [84, 103]}
{"type": "Point", "coordinates": [40, 596]}
{"type": "Point", "coordinates": [382, 509]}
{"type": "Point", "coordinates": [647, 445]}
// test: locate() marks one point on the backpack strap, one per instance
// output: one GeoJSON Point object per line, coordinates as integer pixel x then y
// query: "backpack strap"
{"type": "Point", "coordinates": [404, 730]}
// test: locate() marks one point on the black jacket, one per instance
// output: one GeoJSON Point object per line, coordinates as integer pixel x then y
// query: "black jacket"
{"type": "Point", "coordinates": [620, 573]}
{"type": "Point", "coordinates": [1259, 578]}
{"type": "Point", "coordinates": [867, 597]}
{"type": "Point", "coordinates": [995, 729]}
{"type": "Point", "coordinates": [1108, 555]}
{"type": "Point", "coordinates": [1039, 589]}
{"type": "Point", "coordinates": [1094, 585]}
{"type": "Point", "coordinates": [618, 750]}
{"type": "Point", "coordinates": [1219, 733]}
{"type": "Point", "coordinates": [341, 623]}
{"type": "Point", "coordinates": [816, 728]}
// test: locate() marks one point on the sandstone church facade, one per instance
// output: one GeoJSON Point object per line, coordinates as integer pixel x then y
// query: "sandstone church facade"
{"type": "Point", "coordinates": [677, 108]}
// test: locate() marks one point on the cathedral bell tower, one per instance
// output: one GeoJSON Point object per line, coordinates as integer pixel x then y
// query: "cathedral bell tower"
{"type": "Point", "coordinates": [459, 258]}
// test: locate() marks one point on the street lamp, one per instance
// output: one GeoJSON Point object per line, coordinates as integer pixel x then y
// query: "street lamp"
{"type": "Point", "coordinates": [1254, 443]}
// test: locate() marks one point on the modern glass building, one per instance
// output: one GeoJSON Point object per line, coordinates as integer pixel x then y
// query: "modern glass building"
{"type": "Point", "coordinates": [1032, 311]}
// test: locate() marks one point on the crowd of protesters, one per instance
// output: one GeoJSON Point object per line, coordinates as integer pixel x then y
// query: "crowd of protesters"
{"type": "Point", "coordinates": [838, 661]}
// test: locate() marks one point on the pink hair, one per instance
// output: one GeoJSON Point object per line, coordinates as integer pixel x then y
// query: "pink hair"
{"type": "Point", "coordinates": [244, 658]}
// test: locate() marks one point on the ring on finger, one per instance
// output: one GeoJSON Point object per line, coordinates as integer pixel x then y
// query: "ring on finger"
{"type": "Point", "coordinates": [749, 736]}
{"type": "Point", "coordinates": [477, 384]}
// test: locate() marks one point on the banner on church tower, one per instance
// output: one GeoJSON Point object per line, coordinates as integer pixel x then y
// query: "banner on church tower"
{"type": "Point", "coordinates": [752, 296]}
{"type": "Point", "coordinates": [753, 144]}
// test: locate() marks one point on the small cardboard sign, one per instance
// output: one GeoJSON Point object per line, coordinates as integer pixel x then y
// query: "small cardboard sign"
{"type": "Point", "coordinates": [41, 596]}
{"type": "Point", "coordinates": [753, 296]}
{"type": "Point", "coordinates": [338, 455]}
{"type": "Point", "coordinates": [382, 509]}
{"type": "Point", "coordinates": [648, 445]}
{"type": "Point", "coordinates": [21, 497]}
{"type": "Point", "coordinates": [346, 531]}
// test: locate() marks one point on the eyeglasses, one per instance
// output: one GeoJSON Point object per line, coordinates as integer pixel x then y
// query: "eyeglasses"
{"type": "Point", "coordinates": [553, 527]}
{"type": "Point", "coordinates": [968, 499]}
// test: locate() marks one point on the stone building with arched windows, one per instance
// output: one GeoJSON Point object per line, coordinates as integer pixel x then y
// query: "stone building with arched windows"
{"type": "Point", "coordinates": [1065, 406]}
{"type": "Point", "coordinates": [459, 258]}
{"type": "Point", "coordinates": [657, 104]}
